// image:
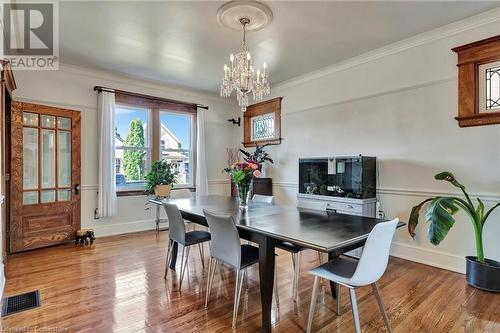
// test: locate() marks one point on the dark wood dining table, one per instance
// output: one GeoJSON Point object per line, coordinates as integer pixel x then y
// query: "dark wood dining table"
{"type": "Point", "coordinates": [267, 224]}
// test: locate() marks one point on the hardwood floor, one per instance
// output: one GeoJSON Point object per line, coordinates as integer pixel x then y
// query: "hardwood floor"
{"type": "Point", "coordinates": [117, 286]}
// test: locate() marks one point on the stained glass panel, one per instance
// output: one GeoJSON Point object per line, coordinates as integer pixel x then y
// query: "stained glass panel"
{"type": "Point", "coordinates": [263, 127]}
{"type": "Point", "coordinates": [493, 88]}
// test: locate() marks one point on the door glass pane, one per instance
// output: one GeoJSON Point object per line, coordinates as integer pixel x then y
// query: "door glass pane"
{"type": "Point", "coordinates": [64, 123]}
{"type": "Point", "coordinates": [64, 158]}
{"type": "Point", "coordinates": [63, 195]}
{"type": "Point", "coordinates": [30, 158]}
{"type": "Point", "coordinates": [48, 196]}
{"type": "Point", "coordinates": [30, 119]}
{"type": "Point", "coordinates": [48, 159]}
{"type": "Point", "coordinates": [48, 121]}
{"type": "Point", "coordinates": [30, 198]}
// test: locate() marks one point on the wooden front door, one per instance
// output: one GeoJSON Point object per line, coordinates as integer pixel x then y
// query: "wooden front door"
{"type": "Point", "coordinates": [45, 182]}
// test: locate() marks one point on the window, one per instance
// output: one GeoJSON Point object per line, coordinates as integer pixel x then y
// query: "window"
{"type": "Point", "coordinates": [146, 132]}
{"type": "Point", "coordinates": [489, 87]}
{"type": "Point", "coordinates": [176, 138]}
{"type": "Point", "coordinates": [262, 123]}
{"type": "Point", "coordinates": [263, 127]}
{"type": "Point", "coordinates": [132, 144]}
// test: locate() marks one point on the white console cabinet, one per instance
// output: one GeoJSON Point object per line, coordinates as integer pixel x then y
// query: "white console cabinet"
{"type": "Point", "coordinates": [361, 207]}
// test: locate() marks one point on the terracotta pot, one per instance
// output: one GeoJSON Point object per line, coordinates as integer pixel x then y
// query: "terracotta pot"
{"type": "Point", "coordinates": [163, 190]}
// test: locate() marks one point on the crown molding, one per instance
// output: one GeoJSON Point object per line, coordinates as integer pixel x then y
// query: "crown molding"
{"type": "Point", "coordinates": [163, 89]}
{"type": "Point", "coordinates": [451, 29]}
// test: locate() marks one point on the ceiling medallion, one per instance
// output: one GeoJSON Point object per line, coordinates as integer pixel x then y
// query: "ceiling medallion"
{"type": "Point", "coordinates": [240, 75]}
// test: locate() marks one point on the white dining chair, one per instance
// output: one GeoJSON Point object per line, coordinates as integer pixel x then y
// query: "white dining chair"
{"type": "Point", "coordinates": [353, 273]}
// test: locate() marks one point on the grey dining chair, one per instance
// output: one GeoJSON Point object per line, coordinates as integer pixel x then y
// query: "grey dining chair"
{"type": "Point", "coordinates": [353, 273]}
{"type": "Point", "coordinates": [177, 233]}
{"type": "Point", "coordinates": [183, 193]}
{"type": "Point", "coordinates": [226, 248]}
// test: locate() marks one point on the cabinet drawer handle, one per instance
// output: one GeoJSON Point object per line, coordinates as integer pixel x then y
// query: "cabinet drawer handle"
{"type": "Point", "coordinates": [350, 206]}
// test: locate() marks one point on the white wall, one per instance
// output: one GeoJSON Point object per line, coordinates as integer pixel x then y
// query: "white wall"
{"type": "Point", "coordinates": [399, 104]}
{"type": "Point", "coordinates": [72, 87]}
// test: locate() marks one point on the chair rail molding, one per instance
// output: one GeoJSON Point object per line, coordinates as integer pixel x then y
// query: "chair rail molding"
{"type": "Point", "coordinates": [487, 197]}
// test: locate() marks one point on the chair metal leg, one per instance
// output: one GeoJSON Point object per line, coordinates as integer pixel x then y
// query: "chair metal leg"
{"type": "Point", "coordinates": [237, 294]}
{"type": "Point", "coordinates": [313, 304]}
{"type": "Point", "coordinates": [276, 295]}
{"type": "Point", "coordinates": [184, 266]}
{"type": "Point", "coordinates": [296, 274]}
{"type": "Point", "coordinates": [167, 262]}
{"type": "Point", "coordinates": [210, 278]}
{"type": "Point", "coordinates": [376, 291]}
{"type": "Point", "coordinates": [294, 264]}
{"type": "Point", "coordinates": [182, 259]}
{"type": "Point", "coordinates": [202, 257]}
{"type": "Point", "coordinates": [338, 292]}
{"type": "Point", "coordinates": [221, 271]}
{"type": "Point", "coordinates": [355, 313]}
{"type": "Point", "coordinates": [157, 219]}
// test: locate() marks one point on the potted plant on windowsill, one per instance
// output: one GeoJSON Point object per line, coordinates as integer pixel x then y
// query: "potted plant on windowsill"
{"type": "Point", "coordinates": [481, 272]}
{"type": "Point", "coordinates": [161, 179]}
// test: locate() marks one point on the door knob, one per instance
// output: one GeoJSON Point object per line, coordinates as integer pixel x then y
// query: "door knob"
{"type": "Point", "coordinates": [77, 189]}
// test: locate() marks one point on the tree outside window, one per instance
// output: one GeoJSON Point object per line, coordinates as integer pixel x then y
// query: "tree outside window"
{"type": "Point", "coordinates": [133, 160]}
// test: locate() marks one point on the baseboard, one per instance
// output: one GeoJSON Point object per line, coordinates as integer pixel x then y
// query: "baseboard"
{"type": "Point", "coordinates": [111, 229]}
{"type": "Point", "coordinates": [429, 257]}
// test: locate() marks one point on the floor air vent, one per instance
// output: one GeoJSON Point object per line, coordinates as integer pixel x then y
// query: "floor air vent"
{"type": "Point", "coordinates": [22, 302]}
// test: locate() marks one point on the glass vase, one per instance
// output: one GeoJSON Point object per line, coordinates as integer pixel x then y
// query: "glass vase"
{"type": "Point", "coordinates": [244, 191]}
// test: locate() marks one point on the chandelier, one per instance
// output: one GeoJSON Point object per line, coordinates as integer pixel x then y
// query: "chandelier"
{"type": "Point", "coordinates": [242, 76]}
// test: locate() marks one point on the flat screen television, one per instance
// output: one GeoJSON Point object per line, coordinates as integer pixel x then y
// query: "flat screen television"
{"type": "Point", "coordinates": [349, 177]}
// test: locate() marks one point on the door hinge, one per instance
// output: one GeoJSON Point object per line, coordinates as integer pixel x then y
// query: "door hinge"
{"type": "Point", "coordinates": [7, 176]}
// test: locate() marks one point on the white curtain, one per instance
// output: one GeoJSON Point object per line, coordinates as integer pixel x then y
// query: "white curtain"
{"type": "Point", "coordinates": [107, 203]}
{"type": "Point", "coordinates": [201, 165]}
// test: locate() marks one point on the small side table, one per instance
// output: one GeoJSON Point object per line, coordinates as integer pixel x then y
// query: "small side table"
{"type": "Point", "coordinates": [158, 202]}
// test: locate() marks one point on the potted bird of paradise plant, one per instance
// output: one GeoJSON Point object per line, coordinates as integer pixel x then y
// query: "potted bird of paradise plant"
{"type": "Point", "coordinates": [243, 174]}
{"type": "Point", "coordinates": [481, 272]}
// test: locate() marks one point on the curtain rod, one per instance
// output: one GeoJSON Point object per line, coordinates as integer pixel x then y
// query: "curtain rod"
{"type": "Point", "coordinates": [153, 98]}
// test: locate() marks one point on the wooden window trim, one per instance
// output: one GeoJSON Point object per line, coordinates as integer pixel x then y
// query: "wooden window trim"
{"type": "Point", "coordinates": [149, 103]}
{"type": "Point", "coordinates": [270, 106]}
{"type": "Point", "coordinates": [155, 106]}
{"type": "Point", "coordinates": [470, 57]}
{"type": "Point", "coordinates": [134, 193]}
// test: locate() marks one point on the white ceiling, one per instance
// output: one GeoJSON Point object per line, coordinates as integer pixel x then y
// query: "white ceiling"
{"type": "Point", "coordinates": [181, 43]}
